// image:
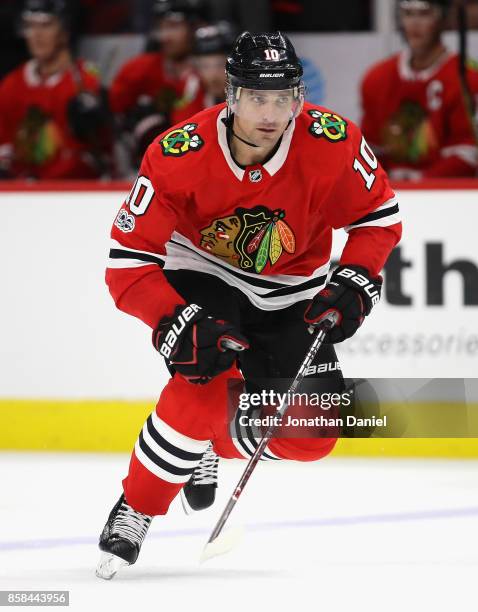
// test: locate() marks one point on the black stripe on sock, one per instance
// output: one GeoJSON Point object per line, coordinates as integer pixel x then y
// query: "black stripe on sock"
{"type": "Point", "coordinates": [237, 428]}
{"type": "Point", "coordinates": [167, 467]}
{"type": "Point", "coordinates": [250, 437]}
{"type": "Point", "coordinates": [255, 444]}
{"type": "Point", "coordinates": [170, 448]}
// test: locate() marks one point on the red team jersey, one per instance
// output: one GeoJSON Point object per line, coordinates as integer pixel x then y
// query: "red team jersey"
{"type": "Point", "coordinates": [265, 229]}
{"type": "Point", "coordinates": [418, 119]}
{"type": "Point", "coordinates": [35, 137]}
{"type": "Point", "coordinates": [146, 75]}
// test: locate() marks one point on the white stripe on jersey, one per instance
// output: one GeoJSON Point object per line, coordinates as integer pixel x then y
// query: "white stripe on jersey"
{"type": "Point", "coordinates": [384, 215]}
{"type": "Point", "coordinates": [177, 240]}
{"type": "Point", "coordinates": [117, 264]}
{"type": "Point", "coordinates": [182, 254]}
{"type": "Point", "coordinates": [465, 152]}
{"type": "Point", "coordinates": [124, 257]}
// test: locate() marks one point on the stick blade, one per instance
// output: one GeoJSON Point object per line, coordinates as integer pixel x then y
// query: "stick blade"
{"type": "Point", "coordinates": [223, 544]}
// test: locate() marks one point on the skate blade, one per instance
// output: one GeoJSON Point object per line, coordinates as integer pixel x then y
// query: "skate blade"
{"type": "Point", "coordinates": [108, 566]}
{"type": "Point", "coordinates": [223, 544]}
{"type": "Point", "coordinates": [186, 507]}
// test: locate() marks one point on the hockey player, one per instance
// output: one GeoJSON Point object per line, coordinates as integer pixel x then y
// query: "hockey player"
{"type": "Point", "coordinates": [212, 44]}
{"type": "Point", "coordinates": [160, 87]}
{"type": "Point", "coordinates": [414, 114]}
{"type": "Point", "coordinates": [50, 107]}
{"type": "Point", "coordinates": [226, 235]}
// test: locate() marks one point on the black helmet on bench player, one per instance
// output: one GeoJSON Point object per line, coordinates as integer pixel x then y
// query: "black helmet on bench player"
{"type": "Point", "coordinates": [46, 8]}
{"type": "Point", "coordinates": [444, 5]}
{"type": "Point", "coordinates": [189, 10]}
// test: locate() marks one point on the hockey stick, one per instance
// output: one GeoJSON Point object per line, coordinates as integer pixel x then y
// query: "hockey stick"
{"type": "Point", "coordinates": [219, 544]}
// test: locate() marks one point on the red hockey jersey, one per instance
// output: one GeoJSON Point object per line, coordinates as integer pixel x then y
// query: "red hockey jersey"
{"type": "Point", "coordinates": [418, 120]}
{"type": "Point", "coordinates": [146, 76]}
{"type": "Point", "coordinates": [35, 137]}
{"type": "Point", "coordinates": [265, 229]}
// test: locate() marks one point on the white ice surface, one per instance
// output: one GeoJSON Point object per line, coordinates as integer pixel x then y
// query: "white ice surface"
{"type": "Point", "coordinates": [337, 535]}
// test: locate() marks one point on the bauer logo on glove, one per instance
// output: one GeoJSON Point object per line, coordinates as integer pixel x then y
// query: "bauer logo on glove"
{"type": "Point", "coordinates": [352, 293]}
{"type": "Point", "coordinates": [177, 326]}
{"type": "Point", "coordinates": [363, 282]}
{"type": "Point", "coordinates": [197, 345]}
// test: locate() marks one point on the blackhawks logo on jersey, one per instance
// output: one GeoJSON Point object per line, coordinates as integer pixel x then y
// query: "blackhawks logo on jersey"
{"type": "Point", "coordinates": [38, 139]}
{"type": "Point", "coordinates": [409, 135]}
{"type": "Point", "coordinates": [249, 238]}
{"type": "Point", "coordinates": [180, 141]}
{"type": "Point", "coordinates": [328, 125]}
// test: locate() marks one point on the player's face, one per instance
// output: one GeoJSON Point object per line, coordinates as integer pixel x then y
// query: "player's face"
{"type": "Point", "coordinates": [175, 37]}
{"type": "Point", "coordinates": [262, 116]}
{"type": "Point", "coordinates": [212, 74]}
{"type": "Point", "coordinates": [44, 36]}
{"type": "Point", "coordinates": [422, 25]}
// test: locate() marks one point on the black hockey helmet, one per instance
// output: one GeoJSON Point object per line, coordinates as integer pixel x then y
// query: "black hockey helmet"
{"type": "Point", "coordinates": [47, 8]}
{"type": "Point", "coordinates": [190, 10]}
{"type": "Point", "coordinates": [444, 5]}
{"type": "Point", "coordinates": [216, 38]}
{"type": "Point", "coordinates": [266, 60]}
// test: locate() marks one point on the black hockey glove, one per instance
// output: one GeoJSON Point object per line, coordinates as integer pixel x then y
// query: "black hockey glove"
{"type": "Point", "coordinates": [87, 113]}
{"type": "Point", "coordinates": [144, 122]}
{"type": "Point", "coordinates": [195, 343]}
{"type": "Point", "coordinates": [352, 293]}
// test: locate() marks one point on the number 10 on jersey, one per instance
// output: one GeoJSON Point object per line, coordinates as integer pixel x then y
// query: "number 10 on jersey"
{"type": "Point", "coordinates": [370, 160]}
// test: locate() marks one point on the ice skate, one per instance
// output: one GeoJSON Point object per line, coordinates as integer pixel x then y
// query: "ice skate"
{"type": "Point", "coordinates": [121, 538]}
{"type": "Point", "coordinates": [199, 492]}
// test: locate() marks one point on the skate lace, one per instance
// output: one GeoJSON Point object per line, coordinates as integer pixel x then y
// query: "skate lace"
{"type": "Point", "coordinates": [130, 524]}
{"type": "Point", "coordinates": [206, 471]}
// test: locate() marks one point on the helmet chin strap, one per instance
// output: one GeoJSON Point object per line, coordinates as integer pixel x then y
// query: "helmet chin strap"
{"type": "Point", "coordinates": [228, 122]}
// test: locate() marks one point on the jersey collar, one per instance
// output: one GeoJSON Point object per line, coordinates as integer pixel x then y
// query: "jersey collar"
{"type": "Point", "coordinates": [32, 76]}
{"type": "Point", "coordinates": [272, 166]}
{"type": "Point", "coordinates": [407, 74]}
